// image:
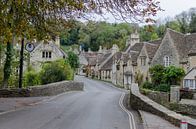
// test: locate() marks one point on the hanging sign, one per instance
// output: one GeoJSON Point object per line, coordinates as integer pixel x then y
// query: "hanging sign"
{"type": "Point", "coordinates": [29, 47]}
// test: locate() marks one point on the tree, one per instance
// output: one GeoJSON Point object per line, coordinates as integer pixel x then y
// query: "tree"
{"type": "Point", "coordinates": [73, 60]}
{"type": "Point", "coordinates": [173, 75]}
{"type": "Point", "coordinates": [157, 73]}
{"type": "Point", "coordinates": [192, 24]}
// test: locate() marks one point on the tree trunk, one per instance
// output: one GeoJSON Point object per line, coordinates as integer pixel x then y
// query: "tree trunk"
{"type": "Point", "coordinates": [7, 66]}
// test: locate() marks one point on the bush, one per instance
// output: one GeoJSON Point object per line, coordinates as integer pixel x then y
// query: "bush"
{"type": "Point", "coordinates": [55, 72]}
{"type": "Point", "coordinates": [31, 78]}
{"type": "Point", "coordinates": [148, 85]}
{"type": "Point", "coordinates": [163, 88]}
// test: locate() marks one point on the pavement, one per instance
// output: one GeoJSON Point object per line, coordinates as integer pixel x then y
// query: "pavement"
{"type": "Point", "coordinates": [151, 121]}
{"type": "Point", "coordinates": [97, 107]}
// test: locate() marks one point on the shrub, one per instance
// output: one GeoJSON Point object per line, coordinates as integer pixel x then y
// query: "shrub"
{"type": "Point", "coordinates": [31, 78]}
{"type": "Point", "coordinates": [55, 72]}
{"type": "Point", "coordinates": [163, 88]}
{"type": "Point", "coordinates": [148, 85]}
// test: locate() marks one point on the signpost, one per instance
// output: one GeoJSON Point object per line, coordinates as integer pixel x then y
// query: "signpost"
{"type": "Point", "coordinates": [29, 47]}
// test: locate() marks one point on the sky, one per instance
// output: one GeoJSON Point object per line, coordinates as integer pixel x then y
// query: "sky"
{"type": "Point", "coordinates": [174, 7]}
{"type": "Point", "coordinates": [171, 7]}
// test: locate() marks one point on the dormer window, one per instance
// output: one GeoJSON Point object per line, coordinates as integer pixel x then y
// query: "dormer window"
{"type": "Point", "coordinates": [167, 61]}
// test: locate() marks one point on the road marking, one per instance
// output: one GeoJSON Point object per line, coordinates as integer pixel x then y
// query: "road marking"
{"type": "Point", "coordinates": [131, 117]}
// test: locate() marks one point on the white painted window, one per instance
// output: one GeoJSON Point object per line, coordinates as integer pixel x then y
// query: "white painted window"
{"type": "Point", "coordinates": [167, 61]}
{"type": "Point", "coordinates": [186, 84]}
{"type": "Point", "coordinates": [191, 83]}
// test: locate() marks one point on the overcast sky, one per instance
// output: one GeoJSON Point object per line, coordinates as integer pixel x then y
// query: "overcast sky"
{"type": "Point", "coordinates": [171, 7]}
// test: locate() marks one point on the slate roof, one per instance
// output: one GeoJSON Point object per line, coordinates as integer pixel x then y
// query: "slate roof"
{"type": "Point", "coordinates": [183, 43]}
{"type": "Point", "coordinates": [134, 52]}
{"type": "Point", "coordinates": [152, 47]}
{"type": "Point", "coordinates": [108, 64]}
{"type": "Point", "coordinates": [102, 58]}
{"type": "Point", "coordinates": [136, 47]}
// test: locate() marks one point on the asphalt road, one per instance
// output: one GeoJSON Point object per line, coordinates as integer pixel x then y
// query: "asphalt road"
{"type": "Point", "coordinates": [97, 107]}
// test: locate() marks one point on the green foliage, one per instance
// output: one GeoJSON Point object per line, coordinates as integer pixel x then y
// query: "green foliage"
{"type": "Point", "coordinates": [157, 73]}
{"type": "Point", "coordinates": [55, 71]}
{"type": "Point", "coordinates": [7, 66]}
{"type": "Point", "coordinates": [192, 24]}
{"type": "Point", "coordinates": [73, 60]}
{"type": "Point", "coordinates": [94, 34]}
{"type": "Point", "coordinates": [162, 88]}
{"type": "Point", "coordinates": [31, 78]}
{"type": "Point", "coordinates": [173, 75]}
{"type": "Point", "coordinates": [151, 86]}
{"type": "Point", "coordinates": [168, 75]}
{"type": "Point", "coordinates": [148, 85]}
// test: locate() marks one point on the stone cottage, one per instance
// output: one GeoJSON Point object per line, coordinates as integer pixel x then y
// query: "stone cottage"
{"type": "Point", "coordinates": [174, 50]}
{"type": "Point", "coordinates": [46, 51]}
{"type": "Point", "coordinates": [189, 80]}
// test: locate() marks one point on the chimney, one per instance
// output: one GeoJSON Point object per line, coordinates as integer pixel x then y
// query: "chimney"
{"type": "Point", "coordinates": [57, 41]}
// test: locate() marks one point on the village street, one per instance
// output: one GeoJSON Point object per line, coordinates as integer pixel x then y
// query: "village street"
{"type": "Point", "coordinates": [97, 107]}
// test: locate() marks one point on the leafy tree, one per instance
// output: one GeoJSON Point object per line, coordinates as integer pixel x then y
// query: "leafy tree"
{"type": "Point", "coordinates": [73, 60]}
{"type": "Point", "coordinates": [157, 73]}
{"type": "Point", "coordinates": [192, 24]}
{"type": "Point", "coordinates": [173, 75]}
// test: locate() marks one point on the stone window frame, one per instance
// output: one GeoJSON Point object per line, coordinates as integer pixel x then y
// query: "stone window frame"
{"type": "Point", "coordinates": [143, 60]}
{"type": "Point", "coordinates": [167, 61]}
{"type": "Point", "coordinates": [46, 54]}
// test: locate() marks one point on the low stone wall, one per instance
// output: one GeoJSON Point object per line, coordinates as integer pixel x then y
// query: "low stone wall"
{"type": "Point", "coordinates": [159, 97]}
{"type": "Point", "coordinates": [141, 102]}
{"type": "Point", "coordinates": [183, 108]}
{"type": "Point", "coordinates": [43, 90]}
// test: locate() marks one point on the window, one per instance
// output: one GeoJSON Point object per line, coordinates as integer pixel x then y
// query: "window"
{"type": "Point", "coordinates": [43, 54]}
{"type": "Point", "coordinates": [143, 61]}
{"type": "Point", "coordinates": [50, 54]}
{"type": "Point", "coordinates": [46, 54]}
{"type": "Point", "coordinates": [191, 83]}
{"type": "Point", "coordinates": [167, 61]}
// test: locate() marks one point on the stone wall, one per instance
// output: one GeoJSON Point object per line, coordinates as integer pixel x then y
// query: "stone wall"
{"type": "Point", "coordinates": [43, 90]}
{"type": "Point", "coordinates": [159, 97]}
{"type": "Point", "coordinates": [186, 109]}
{"type": "Point", "coordinates": [141, 102]}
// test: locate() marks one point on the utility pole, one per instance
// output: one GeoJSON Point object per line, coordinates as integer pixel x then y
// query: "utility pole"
{"type": "Point", "coordinates": [21, 63]}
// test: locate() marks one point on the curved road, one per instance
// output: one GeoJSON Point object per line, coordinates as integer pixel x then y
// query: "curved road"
{"type": "Point", "coordinates": [97, 107]}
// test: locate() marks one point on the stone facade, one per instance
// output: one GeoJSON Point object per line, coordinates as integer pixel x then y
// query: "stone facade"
{"type": "Point", "coordinates": [166, 49]}
{"type": "Point", "coordinates": [44, 52]}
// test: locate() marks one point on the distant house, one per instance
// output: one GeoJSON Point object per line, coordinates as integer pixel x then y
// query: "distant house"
{"type": "Point", "coordinates": [189, 80]}
{"type": "Point", "coordinates": [46, 51]}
